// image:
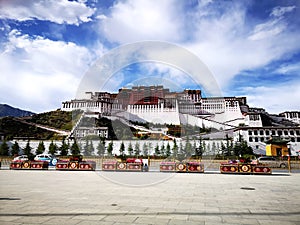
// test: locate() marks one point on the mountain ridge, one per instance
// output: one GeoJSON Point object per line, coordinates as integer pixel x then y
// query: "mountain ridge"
{"type": "Point", "coordinates": [7, 110]}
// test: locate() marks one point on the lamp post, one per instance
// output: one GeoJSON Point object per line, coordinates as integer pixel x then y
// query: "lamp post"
{"type": "Point", "coordinates": [289, 157]}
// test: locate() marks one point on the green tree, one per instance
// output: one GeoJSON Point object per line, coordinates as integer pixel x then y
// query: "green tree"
{"type": "Point", "coordinates": [15, 149]}
{"type": "Point", "coordinates": [242, 148]}
{"type": "Point", "coordinates": [27, 149]}
{"type": "Point", "coordinates": [162, 150]}
{"type": "Point", "coordinates": [101, 147]}
{"type": "Point", "coordinates": [122, 149]}
{"type": "Point", "coordinates": [40, 149]}
{"type": "Point", "coordinates": [64, 148]}
{"type": "Point", "coordinates": [208, 149]}
{"type": "Point", "coordinates": [181, 152]}
{"type": "Point", "coordinates": [204, 147]}
{"type": "Point", "coordinates": [110, 148]}
{"type": "Point", "coordinates": [223, 149]}
{"type": "Point", "coordinates": [156, 150]}
{"type": "Point", "coordinates": [188, 148]}
{"type": "Point", "coordinates": [137, 150]}
{"type": "Point", "coordinates": [200, 149]}
{"type": "Point", "coordinates": [218, 148]}
{"type": "Point", "coordinates": [86, 148]}
{"type": "Point", "coordinates": [145, 149]}
{"type": "Point", "coordinates": [52, 148]}
{"type": "Point", "coordinates": [175, 149]}
{"type": "Point", "coordinates": [229, 146]}
{"type": "Point", "coordinates": [168, 150]}
{"type": "Point", "coordinates": [194, 145]}
{"type": "Point", "coordinates": [130, 149]}
{"type": "Point", "coordinates": [75, 150]}
{"type": "Point", "coordinates": [4, 148]}
{"type": "Point", "coordinates": [91, 148]}
{"type": "Point", "coordinates": [150, 148]}
{"type": "Point", "coordinates": [213, 148]}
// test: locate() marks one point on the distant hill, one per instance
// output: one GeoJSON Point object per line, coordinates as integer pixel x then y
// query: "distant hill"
{"type": "Point", "coordinates": [58, 119]}
{"type": "Point", "coordinates": [12, 127]}
{"type": "Point", "coordinates": [7, 110]}
{"type": "Point", "coordinates": [27, 127]}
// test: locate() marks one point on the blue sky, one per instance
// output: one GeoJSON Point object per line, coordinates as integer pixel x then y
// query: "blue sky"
{"type": "Point", "coordinates": [252, 48]}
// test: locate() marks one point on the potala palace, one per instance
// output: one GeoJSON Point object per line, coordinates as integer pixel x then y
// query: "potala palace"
{"type": "Point", "coordinates": [159, 105]}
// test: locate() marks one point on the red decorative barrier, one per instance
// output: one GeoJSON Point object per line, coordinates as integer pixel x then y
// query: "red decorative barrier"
{"type": "Point", "coordinates": [15, 165]}
{"type": "Point", "coordinates": [121, 166]}
{"type": "Point", "coordinates": [27, 165]}
{"type": "Point", "coordinates": [109, 166]}
{"type": "Point", "coordinates": [195, 167]}
{"type": "Point", "coordinates": [167, 167]}
{"type": "Point", "coordinates": [134, 167]}
{"type": "Point", "coordinates": [62, 165]}
{"type": "Point", "coordinates": [87, 165]}
{"type": "Point", "coordinates": [245, 169]}
{"type": "Point", "coordinates": [259, 169]}
{"type": "Point", "coordinates": [229, 168]}
{"type": "Point", "coordinates": [73, 165]}
{"type": "Point", "coordinates": [180, 167]}
{"type": "Point", "coordinates": [39, 165]}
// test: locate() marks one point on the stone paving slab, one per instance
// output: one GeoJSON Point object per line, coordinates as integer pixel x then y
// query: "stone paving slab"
{"type": "Point", "coordinates": [84, 197]}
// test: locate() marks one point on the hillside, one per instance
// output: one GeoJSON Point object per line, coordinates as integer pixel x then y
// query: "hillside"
{"type": "Point", "coordinates": [11, 128]}
{"type": "Point", "coordinates": [7, 110]}
{"type": "Point", "coordinates": [57, 119]}
{"type": "Point", "coordinates": [25, 127]}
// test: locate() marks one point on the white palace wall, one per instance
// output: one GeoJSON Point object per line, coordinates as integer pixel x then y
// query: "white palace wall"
{"type": "Point", "coordinates": [155, 114]}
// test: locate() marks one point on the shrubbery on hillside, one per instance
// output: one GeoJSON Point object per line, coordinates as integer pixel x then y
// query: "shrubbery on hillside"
{"type": "Point", "coordinates": [57, 119]}
{"type": "Point", "coordinates": [11, 128]}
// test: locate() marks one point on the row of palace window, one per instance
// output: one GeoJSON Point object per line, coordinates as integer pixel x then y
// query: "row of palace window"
{"type": "Point", "coordinates": [263, 139]}
{"type": "Point", "coordinates": [273, 132]}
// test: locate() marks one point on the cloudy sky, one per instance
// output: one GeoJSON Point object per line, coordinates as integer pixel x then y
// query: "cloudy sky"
{"type": "Point", "coordinates": [252, 48]}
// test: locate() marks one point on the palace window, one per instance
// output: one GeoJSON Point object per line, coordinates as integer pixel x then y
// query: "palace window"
{"type": "Point", "coordinates": [267, 132]}
{"type": "Point", "coordinates": [261, 132]}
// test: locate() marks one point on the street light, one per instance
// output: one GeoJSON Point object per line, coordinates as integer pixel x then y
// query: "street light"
{"type": "Point", "coordinates": [289, 156]}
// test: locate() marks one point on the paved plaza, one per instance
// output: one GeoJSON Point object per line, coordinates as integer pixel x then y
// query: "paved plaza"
{"type": "Point", "coordinates": [78, 197]}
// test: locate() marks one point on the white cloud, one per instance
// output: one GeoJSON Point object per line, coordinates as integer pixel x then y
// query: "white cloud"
{"type": "Point", "coordinates": [173, 77]}
{"type": "Point", "coordinates": [289, 69]}
{"type": "Point", "coordinates": [223, 40]}
{"type": "Point", "coordinates": [227, 44]}
{"type": "Point", "coordinates": [274, 26]}
{"type": "Point", "coordinates": [136, 20]}
{"type": "Point", "coordinates": [57, 11]}
{"type": "Point", "coordinates": [285, 100]}
{"type": "Point", "coordinates": [267, 30]}
{"type": "Point", "coordinates": [280, 11]}
{"type": "Point", "coordinates": [38, 73]}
